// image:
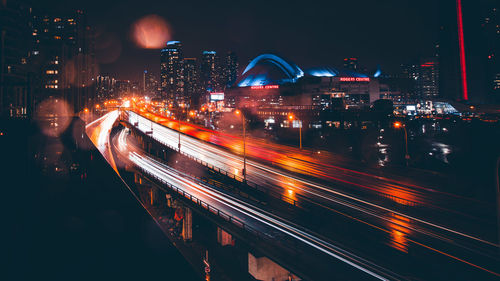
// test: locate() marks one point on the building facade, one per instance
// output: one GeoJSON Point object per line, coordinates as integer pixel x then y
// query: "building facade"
{"type": "Point", "coordinates": [230, 69]}
{"type": "Point", "coordinates": [16, 84]}
{"type": "Point", "coordinates": [192, 87]}
{"type": "Point", "coordinates": [171, 72]}
{"type": "Point", "coordinates": [105, 87]}
{"type": "Point", "coordinates": [427, 82]}
{"type": "Point", "coordinates": [63, 55]}
{"type": "Point", "coordinates": [149, 84]}
{"type": "Point", "coordinates": [210, 72]}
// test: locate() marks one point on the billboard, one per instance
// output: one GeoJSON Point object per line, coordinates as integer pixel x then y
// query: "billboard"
{"type": "Point", "coordinates": [216, 96]}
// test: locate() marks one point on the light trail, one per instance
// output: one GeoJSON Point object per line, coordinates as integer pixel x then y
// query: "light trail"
{"type": "Point", "coordinates": [243, 211]}
{"type": "Point", "coordinates": [98, 132]}
{"type": "Point", "coordinates": [246, 212]}
{"type": "Point", "coordinates": [265, 175]}
{"type": "Point", "coordinates": [261, 173]}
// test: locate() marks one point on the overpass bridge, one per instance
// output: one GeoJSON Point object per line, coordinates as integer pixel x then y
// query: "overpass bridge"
{"type": "Point", "coordinates": [191, 189]}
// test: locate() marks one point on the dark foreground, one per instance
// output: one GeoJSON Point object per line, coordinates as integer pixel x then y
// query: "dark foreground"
{"type": "Point", "coordinates": [68, 216]}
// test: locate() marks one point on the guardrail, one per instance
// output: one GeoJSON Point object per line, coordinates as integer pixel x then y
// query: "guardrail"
{"type": "Point", "coordinates": [214, 210]}
{"type": "Point", "coordinates": [224, 172]}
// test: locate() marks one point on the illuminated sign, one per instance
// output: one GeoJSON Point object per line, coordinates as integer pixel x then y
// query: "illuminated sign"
{"type": "Point", "coordinates": [354, 79]}
{"type": "Point", "coordinates": [216, 96]}
{"type": "Point", "coordinates": [411, 108]}
{"type": "Point", "coordinates": [267, 87]}
{"type": "Point", "coordinates": [427, 64]}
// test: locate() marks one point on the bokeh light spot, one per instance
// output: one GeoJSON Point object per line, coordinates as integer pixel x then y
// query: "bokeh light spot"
{"type": "Point", "coordinates": [151, 32]}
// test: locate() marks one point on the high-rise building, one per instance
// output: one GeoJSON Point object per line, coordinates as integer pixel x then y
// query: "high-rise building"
{"type": "Point", "coordinates": [491, 33]}
{"type": "Point", "coordinates": [191, 82]}
{"type": "Point", "coordinates": [210, 73]}
{"type": "Point", "coordinates": [410, 71]}
{"type": "Point", "coordinates": [496, 83]}
{"type": "Point", "coordinates": [123, 88]}
{"type": "Point", "coordinates": [425, 75]}
{"type": "Point", "coordinates": [427, 83]}
{"type": "Point", "coordinates": [231, 69]}
{"type": "Point", "coordinates": [171, 72]}
{"type": "Point", "coordinates": [15, 77]}
{"type": "Point", "coordinates": [149, 84]}
{"type": "Point", "coordinates": [351, 64]}
{"type": "Point", "coordinates": [105, 87]}
{"type": "Point", "coordinates": [63, 54]}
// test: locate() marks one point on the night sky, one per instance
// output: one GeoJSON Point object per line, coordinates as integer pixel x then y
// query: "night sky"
{"type": "Point", "coordinates": [309, 33]}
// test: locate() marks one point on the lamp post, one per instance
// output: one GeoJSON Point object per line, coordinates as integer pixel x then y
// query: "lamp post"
{"type": "Point", "coordinates": [238, 112]}
{"type": "Point", "coordinates": [291, 118]}
{"type": "Point", "coordinates": [179, 124]}
{"type": "Point", "coordinates": [398, 125]}
{"type": "Point", "coordinates": [179, 119]}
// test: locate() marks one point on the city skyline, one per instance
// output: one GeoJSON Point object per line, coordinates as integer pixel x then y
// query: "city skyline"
{"type": "Point", "coordinates": [367, 31]}
{"type": "Point", "coordinates": [283, 141]}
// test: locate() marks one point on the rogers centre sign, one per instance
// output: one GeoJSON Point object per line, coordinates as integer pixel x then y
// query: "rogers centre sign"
{"type": "Point", "coordinates": [265, 87]}
{"type": "Point", "coordinates": [354, 79]}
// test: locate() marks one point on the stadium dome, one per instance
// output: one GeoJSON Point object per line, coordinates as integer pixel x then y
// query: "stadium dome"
{"type": "Point", "coordinates": [269, 69]}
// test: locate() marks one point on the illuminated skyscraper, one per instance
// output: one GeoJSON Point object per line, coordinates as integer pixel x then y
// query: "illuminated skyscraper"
{"type": "Point", "coordinates": [63, 50]}
{"type": "Point", "coordinates": [491, 32]}
{"type": "Point", "coordinates": [149, 84]}
{"type": "Point", "coordinates": [210, 72]}
{"type": "Point", "coordinates": [171, 71]}
{"type": "Point", "coordinates": [425, 78]}
{"type": "Point", "coordinates": [427, 82]}
{"type": "Point", "coordinates": [230, 69]}
{"type": "Point", "coordinates": [14, 73]}
{"type": "Point", "coordinates": [123, 88]}
{"type": "Point", "coordinates": [191, 82]}
{"type": "Point", "coordinates": [104, 87]}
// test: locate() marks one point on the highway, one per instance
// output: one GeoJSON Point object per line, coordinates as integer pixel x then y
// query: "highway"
{"type": "Point", "coordinates": [259, 219]}
{"type": "Point", "coordinates": [294, 172]}
{"type": "Point", "coordinates": [98, 132]}
{"type": "Point", "coordinates": [380, 244]}
{"type": "Point", "coordinates": [404, 227]}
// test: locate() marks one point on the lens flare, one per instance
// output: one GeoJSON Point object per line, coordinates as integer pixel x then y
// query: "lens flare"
{"type": "Point", "coordinates": [151, 32]}
{"type": "Point", "coordinates": [53, 116]}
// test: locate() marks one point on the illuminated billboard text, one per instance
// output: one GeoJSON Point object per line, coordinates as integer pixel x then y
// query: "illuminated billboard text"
{"type": "Point", "coordinates": [354, 79]}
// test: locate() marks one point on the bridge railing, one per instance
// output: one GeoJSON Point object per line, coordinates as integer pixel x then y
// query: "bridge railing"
{"type": "Point", "coordinates": [276, 238]}
{"type": "Point", "coordinates": [229, 174]}
{"type": "Point", "coordinates": [203, 204]}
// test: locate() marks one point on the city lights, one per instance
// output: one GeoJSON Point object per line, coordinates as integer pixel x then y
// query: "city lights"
{"type": "Point", "coordinates": [312, 149]}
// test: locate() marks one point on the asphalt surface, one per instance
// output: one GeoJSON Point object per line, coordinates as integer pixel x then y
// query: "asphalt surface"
{"type": "Point", "coordinates": [405, 228]}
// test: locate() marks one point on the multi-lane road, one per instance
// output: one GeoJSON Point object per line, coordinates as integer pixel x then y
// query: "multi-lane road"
{"type": "Point", "coordinates": [258, 218]}
{"type": "Point", "coordinates": [318, 176]}
{"type": "Point", "coordinates": [410, 214]}
{"type": "Point", "coordinates": [379, 237]}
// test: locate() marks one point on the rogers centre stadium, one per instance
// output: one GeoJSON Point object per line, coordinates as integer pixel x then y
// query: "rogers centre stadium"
{"type": "Point", "coordinates": [270, 80]}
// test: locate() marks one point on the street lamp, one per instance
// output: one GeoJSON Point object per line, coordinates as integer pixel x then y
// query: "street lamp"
{"type": "Point", "coordinates": [179, 120]}
{"type": "Point", "coordinates": [238, 112]}
{"type": "Point", "coordinates": [399, 125]}
{"type": "Point", "coordinates": [291, 118]}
